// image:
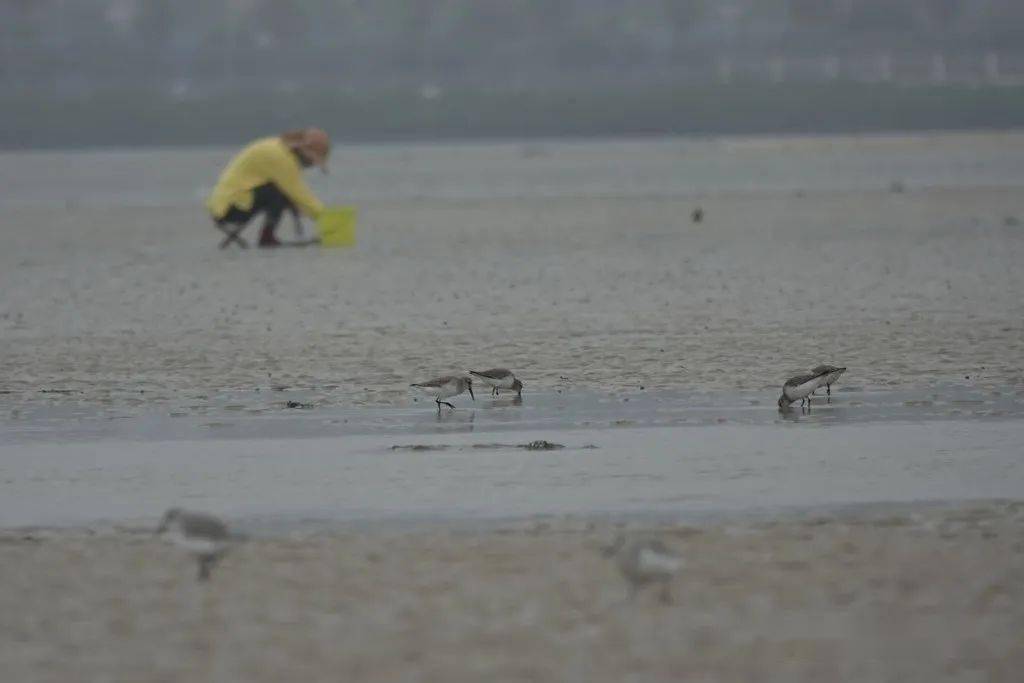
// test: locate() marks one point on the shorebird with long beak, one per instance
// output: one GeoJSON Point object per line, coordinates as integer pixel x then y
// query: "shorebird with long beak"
{"type": "Point", "coordinates": [832, 374]}
{"type": "Point", "coordinates": [203, 535]}
{"type": "Point", "coordinates": [644, 562]}
{"type": "Point", "coordinates": [499, 378]}
{"type": "Point", "coordinates": [800, 388]}
{"type": "Point", "coordinates": [446, 387]}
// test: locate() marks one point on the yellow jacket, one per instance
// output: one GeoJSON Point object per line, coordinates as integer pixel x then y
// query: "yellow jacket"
{"type": "Point", "coordinates": [266, 160]}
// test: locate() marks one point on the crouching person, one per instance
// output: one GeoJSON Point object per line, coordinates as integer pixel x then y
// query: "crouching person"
{"type": "Point", "coordinates": [266, 179]}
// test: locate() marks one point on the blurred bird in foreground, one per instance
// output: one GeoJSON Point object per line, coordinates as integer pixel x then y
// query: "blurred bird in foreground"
{"type": "Point", "coordinates": [644, 562]}
{"type": "Point", "coordinates": [203, 535]}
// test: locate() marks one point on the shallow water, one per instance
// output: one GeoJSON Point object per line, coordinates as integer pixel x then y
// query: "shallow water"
{"type": "Point", "coordinates": [294, 414]}
{"type": "Point", "coordinates": [661, 453]}
{"type": "Point", "coordinates": [481, 475]}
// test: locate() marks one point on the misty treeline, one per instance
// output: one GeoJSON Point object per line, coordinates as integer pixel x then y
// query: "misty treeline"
{"type": "Point", "coordinates": [82, 44]}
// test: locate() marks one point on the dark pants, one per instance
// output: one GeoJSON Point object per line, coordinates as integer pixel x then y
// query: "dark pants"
{"type": "Point", "coordinates": [267, 199]}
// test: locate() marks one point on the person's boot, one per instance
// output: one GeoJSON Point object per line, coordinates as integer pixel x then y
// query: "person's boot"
{"type": "Point", "coordinates": [267, 238]}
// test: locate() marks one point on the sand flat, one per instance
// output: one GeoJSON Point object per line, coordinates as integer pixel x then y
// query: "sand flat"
{"type": "Point", "coordinates": [910, 593]}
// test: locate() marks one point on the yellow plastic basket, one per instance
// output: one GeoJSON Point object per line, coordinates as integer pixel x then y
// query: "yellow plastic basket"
{"type": "Point", "coordinates": [337, 226]}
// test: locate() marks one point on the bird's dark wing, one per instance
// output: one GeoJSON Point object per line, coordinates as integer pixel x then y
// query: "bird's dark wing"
{"type": "Point", "coordinates": [433, 382]}
{"type": "Point", "coordinates": [800, 379]}
{"type": "Point", "coordinates": [203, 525]}
{"type": "Point", "coordinates": [493, 373]}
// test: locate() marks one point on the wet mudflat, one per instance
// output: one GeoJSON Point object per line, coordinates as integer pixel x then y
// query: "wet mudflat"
{"type": "Point", "coordinates": [580, 268]}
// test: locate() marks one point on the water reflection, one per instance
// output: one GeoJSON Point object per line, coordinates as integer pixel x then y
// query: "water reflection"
{"type": "Point", "coordinates": [506, 402]}
{"type": "Point", "coordinates": [458, 420]}
{"type": "Point", "coordinates": [821, 414]}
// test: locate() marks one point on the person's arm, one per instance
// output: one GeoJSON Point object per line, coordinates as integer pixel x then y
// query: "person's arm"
{"type": "Point", "coordinates": [288, 177]}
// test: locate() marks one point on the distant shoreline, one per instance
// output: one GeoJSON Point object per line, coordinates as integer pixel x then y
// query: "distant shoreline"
{"type": "Point", "coordinates": [539, 144]}
{"type": "Point", "coordinates": [135, 117]}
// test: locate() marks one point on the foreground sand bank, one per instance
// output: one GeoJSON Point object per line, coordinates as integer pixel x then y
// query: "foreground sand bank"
{"type": "Point", "coordinates": [909, 593]}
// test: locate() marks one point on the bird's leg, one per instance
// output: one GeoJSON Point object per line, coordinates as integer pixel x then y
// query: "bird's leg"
{"type": "Point", "coordinates": [206, 563]}
{"type": "Point", "coordinates": [494, 391]}
{"type": "Point", "coordinates": [439, 402]}
{"type": "Point", "coordinates": [629, 596]}
{"type": "Point", "coordinates": [828, 388]}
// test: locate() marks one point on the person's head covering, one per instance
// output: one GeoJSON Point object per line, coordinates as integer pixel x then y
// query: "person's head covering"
{"type": "Point", "coordinates": [313, 143]}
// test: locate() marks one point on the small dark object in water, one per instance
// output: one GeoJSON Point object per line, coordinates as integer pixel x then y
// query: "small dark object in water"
{"type": "Point", "coordinates": [542, 445]}
{"type": "Point", "coordinates": [539, 445]}
{"type": "Point", "coordinates": [897, 187]}
{"type": "Point", "coordinates": [297, 404]}
{"type": "Point", "coordinates": [1011, 221]}
{"type": "Point", "coordinates": [698, 215]}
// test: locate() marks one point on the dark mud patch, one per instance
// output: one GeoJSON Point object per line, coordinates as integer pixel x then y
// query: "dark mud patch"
{"type": "Point", "coordinates": [538, 445]}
